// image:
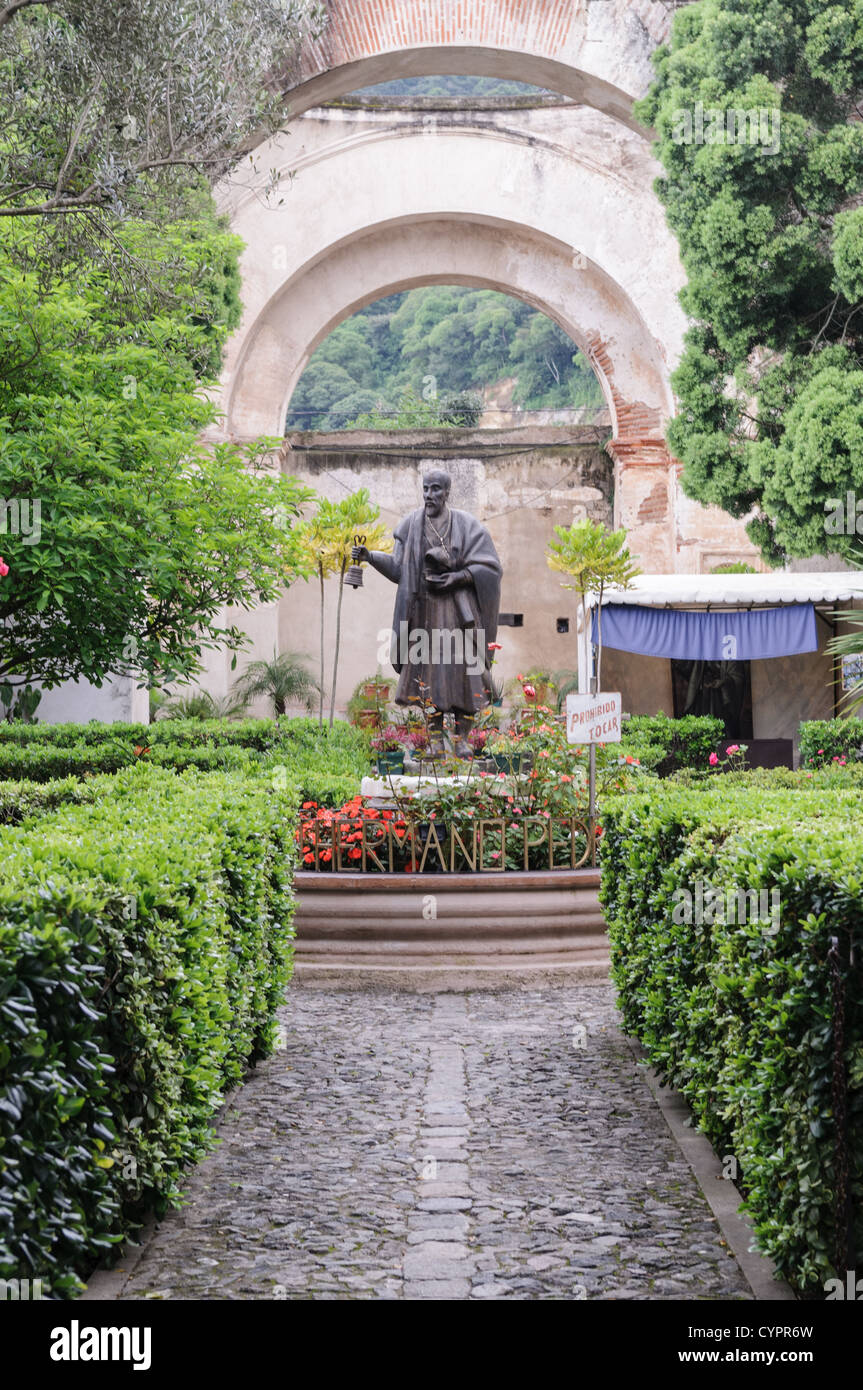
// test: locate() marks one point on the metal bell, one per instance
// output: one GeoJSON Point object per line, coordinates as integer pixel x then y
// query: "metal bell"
{"type": "Point", "coordinates": [354, 576]}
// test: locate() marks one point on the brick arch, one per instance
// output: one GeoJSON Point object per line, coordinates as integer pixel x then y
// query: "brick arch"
{"type": "Point", "coordinates": [594, 51]}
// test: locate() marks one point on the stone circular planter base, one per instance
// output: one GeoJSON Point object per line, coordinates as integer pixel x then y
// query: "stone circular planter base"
{"type": "Point", "coordinates": [444, 931]}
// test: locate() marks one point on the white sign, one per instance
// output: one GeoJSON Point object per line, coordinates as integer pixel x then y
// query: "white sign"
{"type": "Point", "coordinates": [593, 718]}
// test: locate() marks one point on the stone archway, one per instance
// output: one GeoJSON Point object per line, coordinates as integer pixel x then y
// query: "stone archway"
{"type": "Point", "coordinates": [555, 205]}
{"type": "Point", "coordinates": [500, 256]}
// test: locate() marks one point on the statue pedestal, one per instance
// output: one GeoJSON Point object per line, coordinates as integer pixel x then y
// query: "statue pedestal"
{"type": "Point", "coordinates": [405, 784]}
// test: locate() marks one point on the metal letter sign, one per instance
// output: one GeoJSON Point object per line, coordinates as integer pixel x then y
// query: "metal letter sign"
{"type": "Point", "coordinates": [593, 718]}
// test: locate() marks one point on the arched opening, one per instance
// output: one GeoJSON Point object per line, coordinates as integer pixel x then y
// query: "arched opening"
{"type": "Point", "coordinates": [447, 90]}
{"type": "Point", "coordinates": [446, 355]}
{"type": "Point", "coordinates": [578, 85]}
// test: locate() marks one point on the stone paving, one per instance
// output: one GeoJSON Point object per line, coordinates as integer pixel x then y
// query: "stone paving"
{"type": "Point", "coordinates": [485, 1146]}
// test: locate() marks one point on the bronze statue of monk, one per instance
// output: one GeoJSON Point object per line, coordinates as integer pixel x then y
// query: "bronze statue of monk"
{"type": "Point", "coordinates": [448, 576]}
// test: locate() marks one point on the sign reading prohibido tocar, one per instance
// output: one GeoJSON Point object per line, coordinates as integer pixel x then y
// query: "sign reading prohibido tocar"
{"type": "Point", "coordinates": [593, 718]}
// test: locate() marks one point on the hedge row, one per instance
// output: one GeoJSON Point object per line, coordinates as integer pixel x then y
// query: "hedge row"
{"type": "Point", "coordinates": [738, 1016]}
{"type": "Point", "coordinates": [822, 740]}
{"type": "Point", "coordinates": [667, 745]}
{"type": "Point", "coordinates": [260, 734]}
{"type": "Point", "coordinates": [325, 764]}
{"type": "Point", "coordinates": [144, 949]}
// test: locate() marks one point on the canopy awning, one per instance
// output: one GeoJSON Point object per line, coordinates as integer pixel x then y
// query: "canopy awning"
{"type": "Point", "coordinates": [691, 616]}
{"type": "Point", "coordinates": [737, 590]}
{"type": "Point", "coordinates": [698, 635]}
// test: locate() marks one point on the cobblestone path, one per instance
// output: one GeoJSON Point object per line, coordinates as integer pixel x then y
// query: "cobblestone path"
{"type": "Point", "coordinates": [489, 1145]}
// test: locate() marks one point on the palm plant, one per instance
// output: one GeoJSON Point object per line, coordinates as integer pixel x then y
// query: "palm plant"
{"type": "Point", "coordinates": [200, 704]}
{"type": "Point", "coordinates": [284, 681]}
{"type": "Point", "coordinates": [596, 559]}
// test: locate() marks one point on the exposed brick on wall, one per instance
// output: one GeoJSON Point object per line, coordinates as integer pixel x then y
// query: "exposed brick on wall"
{"type": "Point", "coordinates": [363, 28]}
{"type": "Point", "coordinates": [633, 451]}
{"type": "Point", "coordinates": [655, 505]}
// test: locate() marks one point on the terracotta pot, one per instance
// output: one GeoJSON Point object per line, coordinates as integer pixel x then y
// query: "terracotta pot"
{"type": "Point", "coordinates": [368, 719]}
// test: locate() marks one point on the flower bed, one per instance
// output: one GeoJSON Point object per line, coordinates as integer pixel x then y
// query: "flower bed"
{"type": "Point", "coordinates": [359, 837]}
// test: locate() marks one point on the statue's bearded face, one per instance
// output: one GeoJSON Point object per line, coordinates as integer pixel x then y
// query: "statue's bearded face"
{"type": "Point", "coordinates": [435, 494]}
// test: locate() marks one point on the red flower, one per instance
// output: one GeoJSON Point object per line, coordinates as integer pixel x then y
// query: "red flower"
{"type": "Point", "coordinates": [495, 647]}
{"type": "Point", "coordinates": [4, 568]}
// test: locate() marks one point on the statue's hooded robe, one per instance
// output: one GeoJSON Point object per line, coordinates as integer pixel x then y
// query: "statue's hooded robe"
{"type": "Point", "coordinates": [473, 604]}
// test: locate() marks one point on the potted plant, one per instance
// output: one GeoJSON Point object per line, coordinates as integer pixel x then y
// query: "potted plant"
{"type": "Point", "coordinates": [507, 752]}
{"type": "Point", "coordinates": [478, 738]}
{"type": "Point", "coordinates": [376, 687]}
{"type": "Point", "coordinates": [367, 709]}
{"type": "Point", "coordinates": [389, 749]}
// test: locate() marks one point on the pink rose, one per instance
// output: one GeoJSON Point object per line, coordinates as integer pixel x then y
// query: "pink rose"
{"type": "Point", "coordinates": [713, 760]}
{"type": "Point", "coordinates": [732, 748]}
{"type": "Point", "coordinates": [4, 568]}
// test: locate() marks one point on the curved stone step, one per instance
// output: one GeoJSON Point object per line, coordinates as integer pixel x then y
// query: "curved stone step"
{"type": "Point", "coordinates": [484, 926]}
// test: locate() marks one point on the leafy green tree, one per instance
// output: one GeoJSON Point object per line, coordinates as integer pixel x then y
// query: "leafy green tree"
{"type": "Point", "coordinates": [769, 421]}
{"type": "Point", "coordinates": [458, 410]}
{"type": "Point", "coordinates": [326, 541]}
{"type": "Point", "coordinates": [438, 343]}
{"type": "Point", "coordinates": [100, 99]}
{"type": "Point", "coordinates": [144, 534]}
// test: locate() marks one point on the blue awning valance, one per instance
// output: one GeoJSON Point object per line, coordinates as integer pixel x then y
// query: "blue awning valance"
{"type": "Point", "coordinates": [726, 635]}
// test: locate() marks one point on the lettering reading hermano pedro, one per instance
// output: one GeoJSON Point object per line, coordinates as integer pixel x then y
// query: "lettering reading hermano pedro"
{"type": "Point", "coordinates": [448, 576]}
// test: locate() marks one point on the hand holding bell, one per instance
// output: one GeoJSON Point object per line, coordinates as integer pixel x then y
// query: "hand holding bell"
{"type": "Point", "coordinates": [354, 576]}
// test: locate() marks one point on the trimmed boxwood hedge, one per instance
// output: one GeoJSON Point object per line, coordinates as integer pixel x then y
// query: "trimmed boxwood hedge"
{"type": "Point", "coordinates": [325, 764]}
{"type": "Point", "coordinates": [667, 745]}
{"type": "Point", "coordinates": [145, 944]}
{"type": "Point", "coordinates": [738, 1017]}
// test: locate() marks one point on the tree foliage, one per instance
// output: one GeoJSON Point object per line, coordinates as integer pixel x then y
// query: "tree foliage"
{"type": "Point", "coordinates": [421, 351]}
{"type": "Point", "coordinates": [100, 99]}
{"type": "Point", "coordinates": [772, 241]}
{"type": "Point", "coordinates": [144, 534]}
{"type": "Point", "coordinates": [326, 541]}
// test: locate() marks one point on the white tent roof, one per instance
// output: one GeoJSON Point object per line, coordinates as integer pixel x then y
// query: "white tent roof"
{"type": "Point", "coordinates": [737, 590]}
